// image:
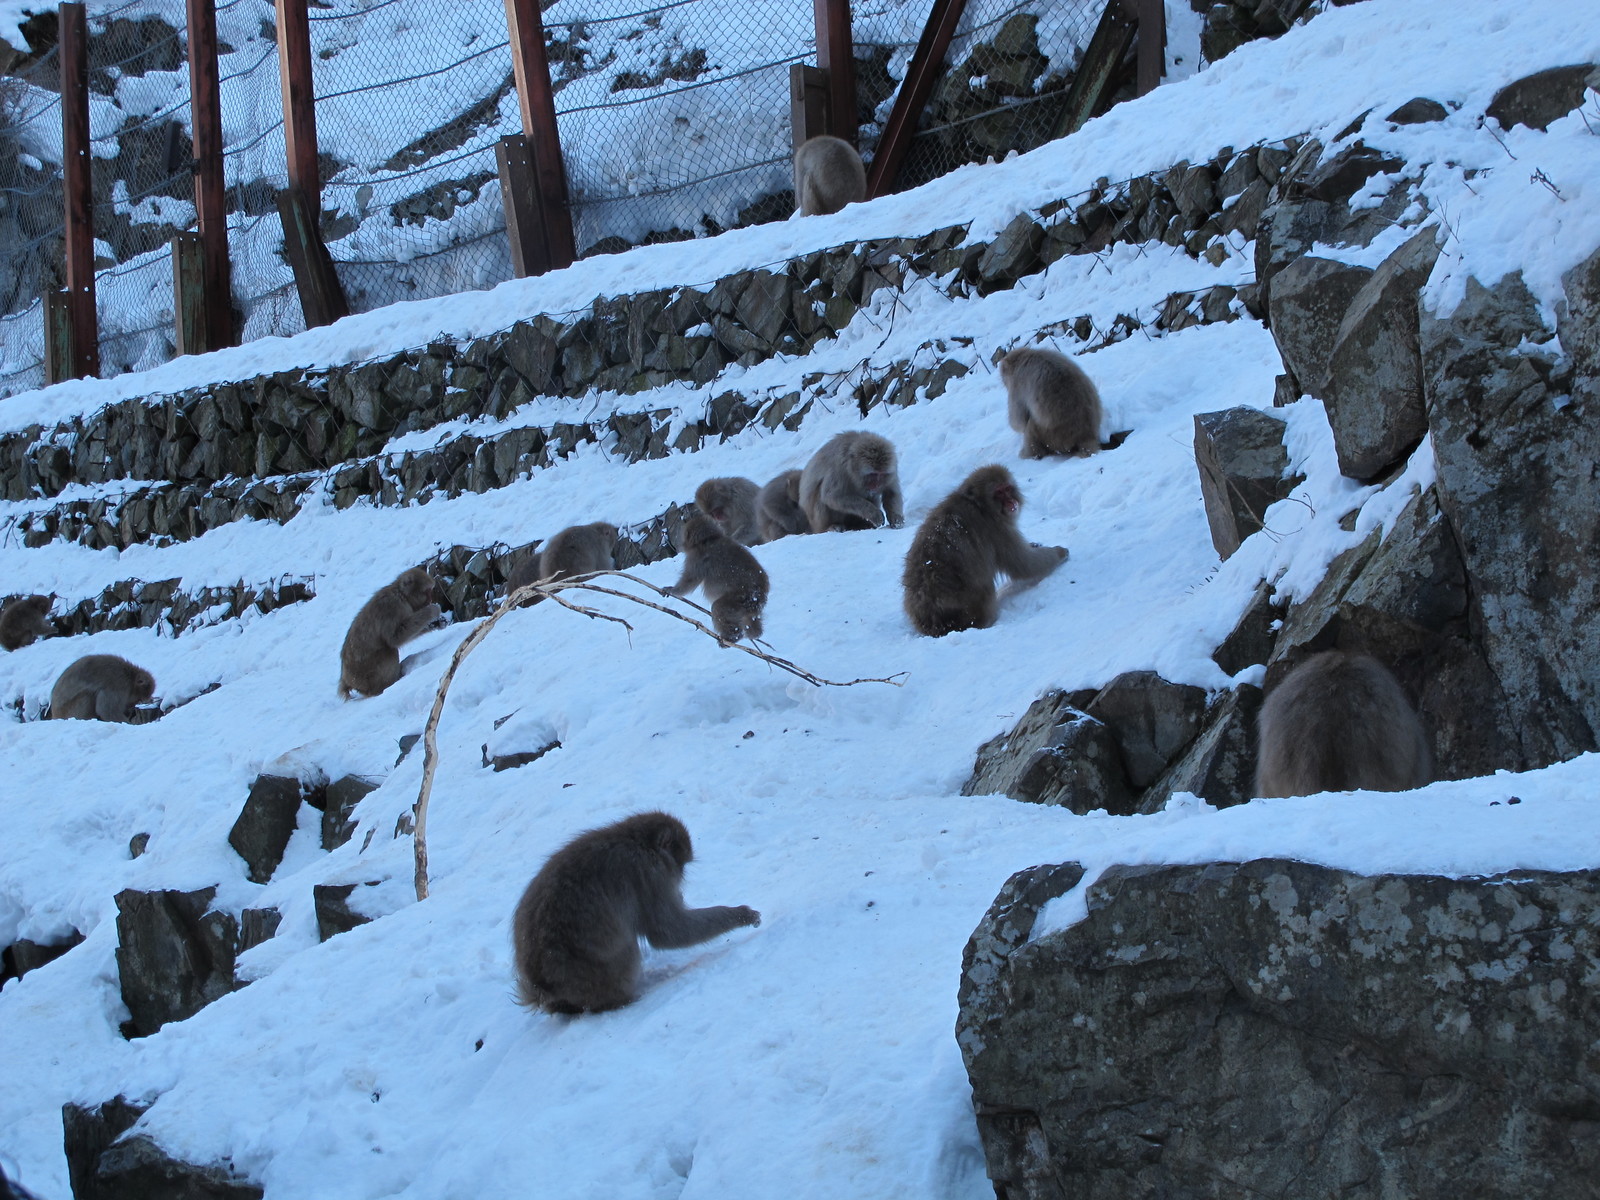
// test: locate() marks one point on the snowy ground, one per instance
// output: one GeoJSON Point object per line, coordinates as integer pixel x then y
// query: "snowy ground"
{"type": "Point", "coordinates": [812, 1057]}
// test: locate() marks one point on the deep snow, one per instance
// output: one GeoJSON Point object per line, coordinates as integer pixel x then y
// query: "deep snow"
{"type": "Point", "coordinates": [814, 1056]}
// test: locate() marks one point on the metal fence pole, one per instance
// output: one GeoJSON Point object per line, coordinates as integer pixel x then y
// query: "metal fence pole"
{"type": "Point", "coordinates": [83, 328]}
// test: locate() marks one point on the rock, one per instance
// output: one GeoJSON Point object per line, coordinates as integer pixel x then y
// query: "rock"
{"type": "Point", "coordinates": [1219, 766]}
{"type": "Point", "coordinates": [87, 1133]}
{"type": "Point", "coordinates": [340, 800]}
{"type": "Point", "coordinates": [1418, 111]}
{"type": "Point", "coordinates": [520, 758]}
{"type": "Point", "coordinates": [1224, 31]}
{"type": "Point", "coordinates": [1250, 641]}
{"type": "Point", "coordinates": [1338, 178]}
{"type": "Point", "coordinates": [334, 914]}
{"type": "Point", "coordinates": [1307, 304]}
{"type": "Point", "coordinates": [1242, 465]}
{"type": "Point", "coordinates": [1374, 392]}
{"type": "Point", "coordinates": [266, 823]}
{"type": "Point", "coordinates": [1013, 254]}
{"type": "Point", "coordinates": [137, 844]}
{"type": "Point", "coordinates": [1056, 754]}
{"type": "Point", "coordinates": [1515, 453]}
{"type": "Point", "coordinates": [174, 956]}
{"type": "Point", "coordinates": [1545, 96]}
{"type": "Point", "coordinates": [257, 925]}
{"type": "Point", "coordinates": [1151, 719]}
{"type": "Point", "coordinates": [1276, 1028]}
{"type": "Point", "coordinates": [10, 1190]}
{"type": "Point", "coordinates": [1578, 323]}
{"type": "Point", "coordinates": [137, 1168]}
{"type": "Point", "coordinates": [22, 955]}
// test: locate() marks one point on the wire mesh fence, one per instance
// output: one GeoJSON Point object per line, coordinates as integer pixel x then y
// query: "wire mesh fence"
{"type": "Point", "coordinates": [674, 122]}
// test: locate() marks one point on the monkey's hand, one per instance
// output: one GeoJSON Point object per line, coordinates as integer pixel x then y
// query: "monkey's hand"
{"type": "Point", "coordinates": [748, 915]}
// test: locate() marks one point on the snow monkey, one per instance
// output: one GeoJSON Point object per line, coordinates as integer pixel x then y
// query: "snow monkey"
{"type": "Point", "coordinates": [576, 550]}
{"type": "Point", "coordinates": [853, 482]}
{"type": "Point", "coordinates": [24, 620]}
{"type": "Point", "coordinates": [1051, 403]}
{"type": "Point", "coordinates": [1336, 723]}
{"type": "Point", "coordinates": [734, 582]}
{"type": "Point", "coordinates": [969, 537]}
{"type": "Point", "coordinates": [828, 174]}
{"type": "Point", "coordinates": [731, 502]}
{"type": "Point", "coordinates": [100, 687]}
{"type": "Point", "coordinates": [778, 510]}
{"type": "Point", "coordinates": [577, 928]}
{"type": "Point", "coordinates": [397, 612]}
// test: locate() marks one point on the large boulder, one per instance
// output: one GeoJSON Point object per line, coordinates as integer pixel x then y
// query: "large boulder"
{"type": "Point", "coordinates": [1056, 754]}
{"type": "Point", "coordinates": [175, 955]}
{"type": "Point", "coordinates": [1285, 1030]}
{"type": "Point", "coordinates": [1309, 299]}
{"type": "Point", "coordinates": [1373, 383]}
{"type": "Point", "coordinates": [1243, 471]}
{"type": "Point", "coordinates": [1545, 96]}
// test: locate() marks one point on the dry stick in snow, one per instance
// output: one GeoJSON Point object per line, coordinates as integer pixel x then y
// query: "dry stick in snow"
{"type": "Point", "coordinates": [549, 588]}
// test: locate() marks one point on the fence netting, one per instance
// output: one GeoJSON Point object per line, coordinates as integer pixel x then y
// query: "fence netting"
{"type": "Point", "coordinates": [674, 122]}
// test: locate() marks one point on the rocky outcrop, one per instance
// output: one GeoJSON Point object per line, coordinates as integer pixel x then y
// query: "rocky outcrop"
{"type": "Point", "coordinates": [106, 1162]}
{"type": "Point", "coordinates": [268, 819]}
{"type": "Point", "coordinates": [24, 954]}
{"type": "Point", "coordinates": [1244, 470]}
{"type": "Point", "coordinates": [1543, 97]}
{"type": "Point", "coordinates": [1280, 1029]}
{"type": "Point", "coordinates": [175, 955]}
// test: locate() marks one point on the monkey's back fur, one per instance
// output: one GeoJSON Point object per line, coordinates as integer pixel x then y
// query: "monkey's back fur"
{"type": "Point", "coordinates": [828, 174]}
{"type": "Point", "coordinates": [778, 509]}
{"type": "Point", "coordinates": [1051, 402]}
{"type": "Point", "coordinates": [100, 687]}
{"type": "Point", "coordinates": [577, 927]}
{"type": "Point", "coordinates": [369, 660]}
{"type": "Point", "coordinates": [578, 550]}
{"type": "Point", "coordinates": [853, 482]}
{"type": "Point", "coordinates": [23, 621]}
{"type": "Point", "coordinates": [731, 501]}
{"type": "Point", "coordinates": [733, 580]}
{"type": "Point", "coordinates": [1340, 722]}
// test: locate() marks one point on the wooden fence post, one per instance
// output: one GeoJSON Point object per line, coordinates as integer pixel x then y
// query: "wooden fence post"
{"type": "Point", "coordinates": [322, 298]}
{"type": "Point", "coordinates": [550, 208]}
{"type": "Point", "coordinates": [212, 272]}
{"type": "Point", "coordinates": [518, 186]}
{"type": "Point", "coordinates": [837, 56]}
{"type": "Point", "coordinates": [83, 334]}
{"type": "Point", "coordinates": [1097, 69]}
{"type": "Point", "coordinates": [926, 64]}
{"type": "Point", "coordinates": [808, 103]}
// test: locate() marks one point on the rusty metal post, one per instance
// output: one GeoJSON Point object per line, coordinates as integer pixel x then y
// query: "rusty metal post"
{"type": "Point", "coordinates": [926, 64]}
{"type": "Point", "coordinates": [837, 56]}
{"type": "Point", "coordinates": [1151, 47]}
{"type": "Point", "coordinates": [79, 187]}
{"type": "Point", "coordinates": [525, 29]}
{"type": "Point", "coordinates": [1097, 70]}
{"type": "Point", "coordinates": [205, 108]}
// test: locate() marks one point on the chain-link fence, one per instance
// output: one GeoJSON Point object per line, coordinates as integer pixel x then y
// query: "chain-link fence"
{"type": "Point", "coordinates": [674, 122]}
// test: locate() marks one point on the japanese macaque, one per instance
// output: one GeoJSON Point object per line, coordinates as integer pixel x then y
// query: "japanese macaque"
{"type": "Point", "coordinates": [577, 928]}
{"type": "Point", "coordinates": [1339, 722]}
{"type": "Point", "coordinates": [576, 550]}
{"type": "Point", "coordinates": [397, 612]}
{"type": "Point", "coordinates": [734, 582]}
{"type": "Point", "coordinates": [853, 482]}
{"type": "Point", "coordinates": [828, 174]}
{"type": "Point", "coordinates": [24, 620]}
{"type": "Point", "coordinates": [100, 687]}
{"type": "Point", "coordinates": [778, 511]}
{"type": "Point", "coordinates": [1051, 402]}
{"type": "Point", "coordinates": [965, 541]}
{"type": "Point", "coordinates": [731, 503]}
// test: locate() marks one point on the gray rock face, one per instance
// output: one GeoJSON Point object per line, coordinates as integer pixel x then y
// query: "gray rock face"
{"type": "Point", "coordinates": [1242, 471]}
{"type": "Point", "coordinates": [1516, 450]}
{"type": "Point", "coordinates": [339, 806]}
{"type": "Point", "coordinates": [1219, 766]}
{"type": "Point", "coordinates": [1152, 720]}
{"type": "Point", "coordinates": [87, 1132]}
{"type": "Point", "coordinates": [1285, 1030]}
{"type": "Point", "coordinates": [1419, 110]}
{"type": "Point", "coordinates": [1536, 100]}
{"type": "Point", "coordinates": [334, 914]}
{"type": "Point", "coordinates": [1057, 754]}
{"type": "Point", "coordinates": [174, 956]}
{"type": "Point", "coordinates": [1374, 373]}
{"type": "Point", "coordinates": [266, 823]}
{"type": "Point", "coordinates": [103, 1164]}
{"type": "Point", "coordinates": [22, 956]}
{"type": "Point", "coordinates": [1310, 297]}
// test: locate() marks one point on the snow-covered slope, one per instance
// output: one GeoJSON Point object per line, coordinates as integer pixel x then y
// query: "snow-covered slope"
{"type": "Point", "coordinates": [812, 1057]}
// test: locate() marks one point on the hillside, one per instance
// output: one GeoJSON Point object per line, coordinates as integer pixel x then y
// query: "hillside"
{"type": "Point", "coordinates": [813, 1056]}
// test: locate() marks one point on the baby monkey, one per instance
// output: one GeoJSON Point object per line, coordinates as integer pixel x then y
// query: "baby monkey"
{"type": "Point", "coordinates": [778, 511]}
{"type": "Point", "coordinates": [577, 928]}
{"type": "Point", "coordinates": [369, 661]}
{"type": "Point", "coordinates": [731, 502]}
{"type": "Point", "coordinates": [24, 620]}
{"type": "Point", "coordinates": [828, 174]}
{"type": "Point", "coordinates": [734, 582]}
{"type": "Point", "coordinates": [1051, 402]}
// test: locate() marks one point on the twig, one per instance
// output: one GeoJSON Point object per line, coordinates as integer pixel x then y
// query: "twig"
{"type": "Point", "coordinates": [548, 589]}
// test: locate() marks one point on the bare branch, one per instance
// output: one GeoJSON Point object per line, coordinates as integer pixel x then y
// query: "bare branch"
{"type": "Point", "coordinates": [550, 589]}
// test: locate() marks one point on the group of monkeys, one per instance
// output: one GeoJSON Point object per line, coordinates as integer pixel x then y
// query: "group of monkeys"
{"type": "Point", "coordinates": [1338, 721]}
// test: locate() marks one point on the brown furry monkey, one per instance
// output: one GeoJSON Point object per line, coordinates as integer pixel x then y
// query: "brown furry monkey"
{"type": "Point", "coordinates": [1051, 402]}
{"type": "Point", "coordinates": [576, 550]}
{"type": "Point", "coordinates": [370, 659]}
{"type": "Point", "coordinates": [577, 928]}
{"type": "Point", "coordinates": [778, 511]}
{"type": "Point", "coordinates": [828, 174]}
{"type": "Point", "coordinates": [853, 482]}
{"type": "Point", "coordinates": [1339, 722]}
{"type": "Point", "coordinates": [731, 502]}
{"type": "Point", "coordinates": [962, 544]}
{"type": "Point", "coordinates": [734, 582]}
{"type": "Point", "coordinates": [100, 687]}
{"type": "Point", "coordinates": [23, 621]}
